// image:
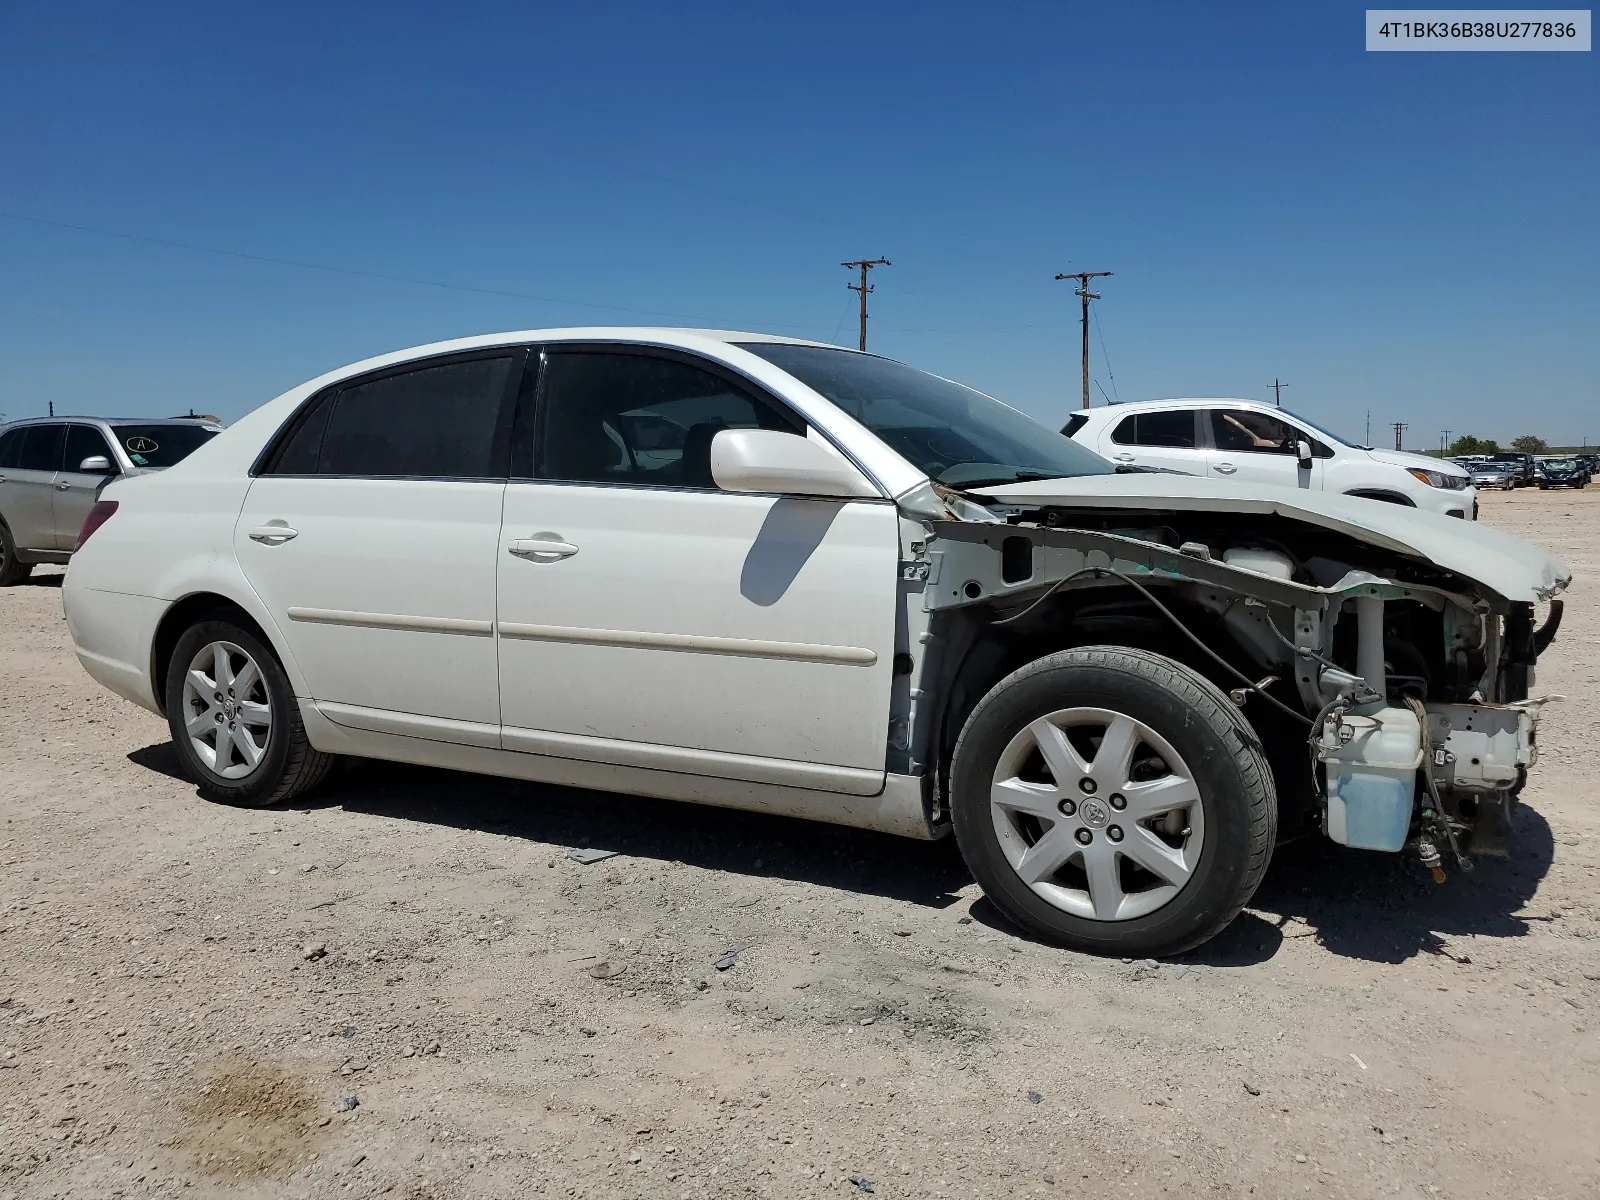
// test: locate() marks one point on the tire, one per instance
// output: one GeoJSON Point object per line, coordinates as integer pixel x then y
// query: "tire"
{"type": "Point", "coordinates": [12, 572]}
{"type": "Point", "coordinates": [1187, 745]}
{"type": "Point", "coordinates": [257, 753]}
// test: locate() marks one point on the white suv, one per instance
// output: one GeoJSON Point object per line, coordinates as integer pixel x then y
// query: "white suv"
{"type": "Point", "coordinates": [1250, 442]}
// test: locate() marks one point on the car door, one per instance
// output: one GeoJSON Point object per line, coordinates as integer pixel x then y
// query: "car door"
{"type": "Point", "coordinates": [1164, 438]}
{"type": "Point", "coordinates": [370, 534]}
{"type": "Point", "coordinates": [1252, 446]}
{"type": "Point", "coordinates": [27, 486]}
{"type": "Point", "coordinates": [76, 489]}
{"type": "Point", "coordinates": [648, 618]}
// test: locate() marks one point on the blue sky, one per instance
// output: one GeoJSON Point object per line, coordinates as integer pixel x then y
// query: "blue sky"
{"type": "Point", "coordinates": [1413, 234]}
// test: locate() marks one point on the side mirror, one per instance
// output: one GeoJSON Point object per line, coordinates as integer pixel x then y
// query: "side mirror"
{"type": "Point", "coordinates": [764, 460]}
{"type": "Point", "coordinates": [1302, 452]}
{"type": "Point", "coordinates": [96, 464]}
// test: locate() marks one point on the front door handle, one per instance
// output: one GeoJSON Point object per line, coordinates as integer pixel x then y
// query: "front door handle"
{"type": "Point", "coordinates": [1123, 457]}
{"type": "Point", "coordinates": [273, 535]}
{"type": "Point", "coordinates": [1225, 468]}
{"type": "Point", "coordinates": [541, 547]}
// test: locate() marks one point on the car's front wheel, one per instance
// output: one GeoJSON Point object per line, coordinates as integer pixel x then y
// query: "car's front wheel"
{"type": "Point", "coordinates": [1113, 801]}
{"type": "Point", "coordinates": [234, 719]}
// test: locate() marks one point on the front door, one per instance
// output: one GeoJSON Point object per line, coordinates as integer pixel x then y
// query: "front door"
{"type": "Point", "coordinates": [27, 486]}
{"type": "Point", "coordinates": [370, 535]}
{"type": "Point", "coordinates": [76, 490]}
{"type": "Point", "coordinates": [1252, 446]}
{"type": "Point", "coordinates": [649, 619]}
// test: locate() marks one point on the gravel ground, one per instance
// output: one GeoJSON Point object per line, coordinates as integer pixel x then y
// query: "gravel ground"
{"type": "Point", "coordinates": [404, 986]}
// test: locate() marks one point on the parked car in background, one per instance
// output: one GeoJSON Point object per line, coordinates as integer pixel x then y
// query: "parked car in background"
{"type": "Point", "coordinates": [1560, 472]}
{"type": "Point", "coordinates": [1488, 474]}
{"type": "Point", "coordinates": [1248, 442]}
{"type": "Point", "coordinates": [1588, 463]}
{"type": "Point", "coordinates": [1520, 465]}
{"type": "Point", "coordinates": [749, 571]}
{"type": "Point", "coordinates": [52, 469]}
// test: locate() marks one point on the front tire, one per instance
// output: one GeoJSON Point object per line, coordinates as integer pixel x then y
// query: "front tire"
{"type": "Point", "coordinates": [234, 719]}
{"type": "Point", "coordinates": [1113, 801]}
{"type": "Point", "coordinates": [12, 572]}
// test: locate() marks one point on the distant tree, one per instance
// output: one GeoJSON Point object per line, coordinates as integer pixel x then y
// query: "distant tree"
{"type": "Point", "coordinates": [1467, 444]}
{"type": "Point", "coordinates": [1528, 444]}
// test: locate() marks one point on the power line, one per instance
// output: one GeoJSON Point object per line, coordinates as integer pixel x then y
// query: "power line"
{"type": "Point", "coordinates": [1100, 331]}
{"type": "Point", "coordinates": [361, 274]}
{"type": "Point", "coordinates": [864, 265]}
{"type": "Point", "coordinates": [1084, 294]}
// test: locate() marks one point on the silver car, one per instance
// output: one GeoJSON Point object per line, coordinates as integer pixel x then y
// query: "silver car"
{"type": "Point", "coordinates": [53, 468]}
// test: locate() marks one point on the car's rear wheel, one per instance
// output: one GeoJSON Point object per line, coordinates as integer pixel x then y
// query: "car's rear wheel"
{"type": "Point", "coordinates": [234, 719]}
{"type": "Point", "coordinates": [1113, 801]}
{"type": "Point", "coordinates": [11, 571]}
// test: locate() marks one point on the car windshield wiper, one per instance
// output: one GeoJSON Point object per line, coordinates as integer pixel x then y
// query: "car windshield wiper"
{"type": "Point", "coordinates": [968, 485]}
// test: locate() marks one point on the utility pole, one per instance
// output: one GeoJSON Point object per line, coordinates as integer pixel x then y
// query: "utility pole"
{"type": "Point", "coordinates": [1367, 441]}
{"type": "Point", "coordinates": [1277, 392]}
{"type": "Point", "coordinates": [1444, 443]}
{"type": "Point", "coordinates": [1084, 294]}
{"type": "Point", "coordinates": [864, 265]}
{"type": "Point", "coordinates": [52, 408]}
{"type": "Point", "coordinates": [1400, 428]}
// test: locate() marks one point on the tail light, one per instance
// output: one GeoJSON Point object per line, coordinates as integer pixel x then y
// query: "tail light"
{"type": "Point", "coordinates": [98, 516]}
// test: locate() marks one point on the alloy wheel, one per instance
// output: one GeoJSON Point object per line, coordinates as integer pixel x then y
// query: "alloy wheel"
{"type": "Point", "coordinates": [227, 711]}
{"type": "Point", "coordinates": [1097, 814]}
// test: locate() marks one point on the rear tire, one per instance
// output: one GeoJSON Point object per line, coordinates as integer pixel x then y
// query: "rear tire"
{"type": "Point", "coordinates": [1149, 852]}
{"type": "Point", "coordinates": [12, 572]}
{"type": "Point", "coordinates": [234, 719]}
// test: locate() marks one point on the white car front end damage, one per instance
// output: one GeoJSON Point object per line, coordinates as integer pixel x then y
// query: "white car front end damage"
{"type": "Point", "coordinates": [1313, 606]}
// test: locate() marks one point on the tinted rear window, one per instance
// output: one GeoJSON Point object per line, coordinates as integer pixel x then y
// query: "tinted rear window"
{"type": "Point", "coordinates": [160, 445]}
{"type": "Point", "coordinates": [41, 448]}
{"type": "Point", "coordinates": [1171, 429]}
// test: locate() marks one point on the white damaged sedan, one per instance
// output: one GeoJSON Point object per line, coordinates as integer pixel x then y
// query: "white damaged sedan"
{"type": "Point", "coordinates": [754, 572]}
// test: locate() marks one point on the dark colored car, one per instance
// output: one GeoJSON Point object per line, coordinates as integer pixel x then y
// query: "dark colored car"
{"type": "Point", "coordinates": [1561, 472]}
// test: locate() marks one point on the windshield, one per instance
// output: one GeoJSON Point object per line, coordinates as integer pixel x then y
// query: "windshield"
{"type": "Point", "coordinates": [952, 433]}
{"type": "Point", "coordinates": [161, 445]}
{"type": "Point", "coordinates": [1315, 428]}
{"type": "Point", "coordinates": [1560, 464]}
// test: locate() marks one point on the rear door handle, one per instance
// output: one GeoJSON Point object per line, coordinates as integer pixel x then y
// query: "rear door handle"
{"type": "Point", "coordinates": [63, 487]}
{"type": "Point", "coordinates": [1225, 468]}
{"type": "Point", "coordinates": [1123, 457]}
{"type": "Point", "coordinates": [273, 535]}
{"type": "Point", "coordinates": [543, 547]}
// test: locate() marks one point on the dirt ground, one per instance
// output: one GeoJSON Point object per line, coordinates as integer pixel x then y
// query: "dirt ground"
{"type": "Point", "coordinates": [403, 986]}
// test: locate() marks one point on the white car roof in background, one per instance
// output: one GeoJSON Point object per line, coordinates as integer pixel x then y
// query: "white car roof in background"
{"type": "Point", "coordinates": [1128, 406]}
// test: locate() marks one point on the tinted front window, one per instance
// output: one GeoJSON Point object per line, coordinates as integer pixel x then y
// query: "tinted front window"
{"type": "Point", "coordinates": [41, 448]}
{"type": "Point", "coordinates": [435, 422]}
{"type": "Point", "coordinates": [641, 420]}
{"type": "Point", "coordinates": [84, 441]}
{"type": "Point", "coordinates": [157, 445]}
{"type": "Point", "coordinates": [1244, 430]}
{"type": "Point", "coordinates": [1174, 430]}
{"type": "Point", "coordinates": [949, 432]}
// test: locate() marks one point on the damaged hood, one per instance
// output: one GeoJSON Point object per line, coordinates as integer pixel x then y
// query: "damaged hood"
{"type": "Point", "coordinates": [1506, 565]}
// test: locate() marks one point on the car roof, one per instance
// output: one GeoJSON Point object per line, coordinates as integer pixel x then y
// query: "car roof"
{"type": "Point", "coordinates": [111, 420]}
{"type": "Point", "coordinates": [1127, 406]}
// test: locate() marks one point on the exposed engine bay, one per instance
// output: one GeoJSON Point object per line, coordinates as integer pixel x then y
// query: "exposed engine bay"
{"type": "Point", "coordinates": [1394, 694]}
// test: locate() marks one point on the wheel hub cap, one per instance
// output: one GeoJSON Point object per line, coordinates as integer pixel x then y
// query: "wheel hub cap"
{"type": "Point", "coordinates": [1109, 859]}
{"type": "Point", "coordinates": [227, 711]}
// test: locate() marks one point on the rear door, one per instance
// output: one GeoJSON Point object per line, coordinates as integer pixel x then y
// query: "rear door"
{"type": "Point", "coordinates": [370, 534]}
{"type": "Point", "coordinates": [76, 489]}
{"type": "Point", "coordinates": [27, 486]}
{"type": "Point", "coordinates": [1165, 438]}
{"type": "Point", "coordinates": [1257, 447]}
